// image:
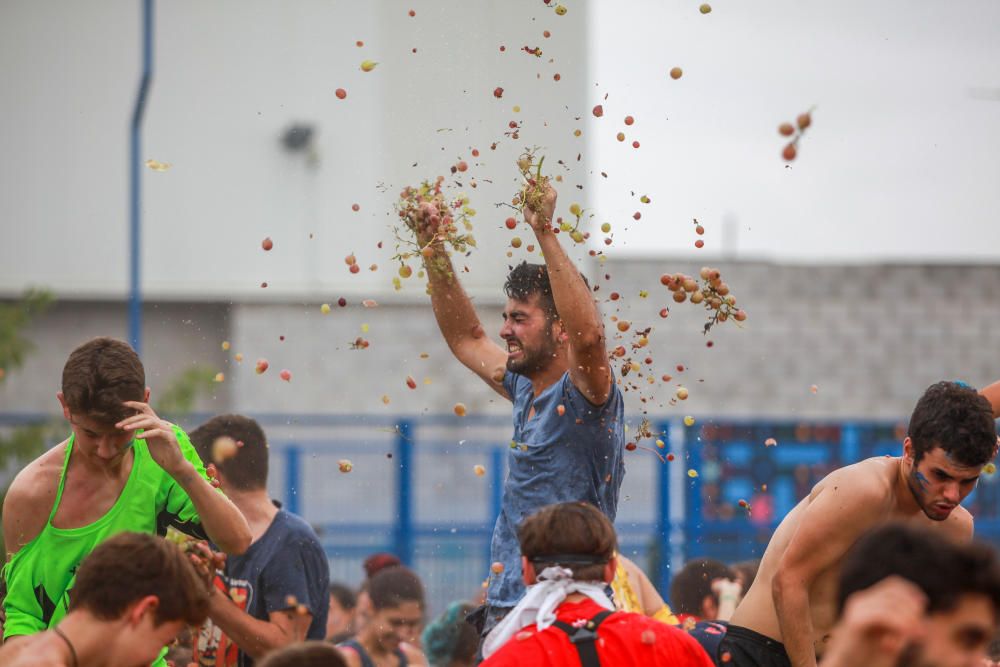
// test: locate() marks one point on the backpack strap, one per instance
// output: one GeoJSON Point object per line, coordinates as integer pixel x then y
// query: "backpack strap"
{"type": "Point", "coordinates": [584, 638]}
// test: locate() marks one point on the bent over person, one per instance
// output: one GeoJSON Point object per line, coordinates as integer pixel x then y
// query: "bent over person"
{"type": "Point", "coordinates": [133, 594]}
{"type": "Point", "coordinates": [786, 616]}
{"type": "Point", "coordinates": [122, 469]}
{"type": "Point", "coordinates": [568, 437]}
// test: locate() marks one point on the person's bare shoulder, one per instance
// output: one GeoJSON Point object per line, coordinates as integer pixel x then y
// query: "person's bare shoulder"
{"type": "Point", "coordinates": [868, 481]}
{"type": "Point", "coordinates": [959, 526]}
{"type": "Point", "coordinates": [414, 656]}
{"type": "Point", "coordinates": [30, 498]}
{"type": "Point", "coordinates": [34, 652]}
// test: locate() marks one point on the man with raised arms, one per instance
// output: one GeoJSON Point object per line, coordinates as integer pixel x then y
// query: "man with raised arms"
{"type": "Point", "coordinates": [568, 433]}
{"type": "Point", "coordinates": [786, 616]}
{"type": "Point", "coordinates": [123, 468]}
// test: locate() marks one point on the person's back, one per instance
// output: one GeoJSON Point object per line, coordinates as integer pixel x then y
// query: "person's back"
{"type": "Point", "coordinates": [566, 618]}
{"type": "Point", "coordinates": [622, 638]}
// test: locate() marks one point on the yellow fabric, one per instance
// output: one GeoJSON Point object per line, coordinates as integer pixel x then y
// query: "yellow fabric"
{"type": "Point", "coordinates": [666, 615]}
{"type": "Point", "coordinates": [627, 600]}
{"type": "Point", "coordinates": [625, 597]}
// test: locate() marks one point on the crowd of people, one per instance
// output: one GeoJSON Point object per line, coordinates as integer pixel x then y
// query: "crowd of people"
{"type": "Point", "coordinates": [875, 566]}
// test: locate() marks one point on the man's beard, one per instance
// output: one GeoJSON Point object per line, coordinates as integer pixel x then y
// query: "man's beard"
{"type": "Point", "coordinates": [918, 494]}
{"type": "Point", "coordinates": [533, 361]}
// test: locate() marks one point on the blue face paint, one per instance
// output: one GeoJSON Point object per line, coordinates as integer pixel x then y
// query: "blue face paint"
{"type": "Point", "coordinates": [921, 480]}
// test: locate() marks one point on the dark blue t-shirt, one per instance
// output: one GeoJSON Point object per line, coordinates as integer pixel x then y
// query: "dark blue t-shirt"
{"type": "Point", "coordinates": [554, 458]}
{"type": "Point", "coordinates": [286, 562]}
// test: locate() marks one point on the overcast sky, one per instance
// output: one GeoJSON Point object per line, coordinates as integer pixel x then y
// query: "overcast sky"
{"type": "Point", "coordinates": [902, 161]}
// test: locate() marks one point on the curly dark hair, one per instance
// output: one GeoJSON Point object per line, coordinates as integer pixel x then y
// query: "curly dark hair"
{"type": "Point", "coordinates": [525, 280]}
{"type": "Point", "coordinates": [956, 418]}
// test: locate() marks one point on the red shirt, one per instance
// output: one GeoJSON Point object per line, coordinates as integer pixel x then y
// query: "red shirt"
{"type": "Point", "coordinates": [624, 640]}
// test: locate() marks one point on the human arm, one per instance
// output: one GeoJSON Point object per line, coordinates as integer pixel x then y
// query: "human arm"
{"type": "Point", "coordinates": [729, 592]}
{"type": "Point", "coordinates": [25, 512]}
{"type": "Point", "coordinates": [829, 524]}
{"type": "Point", "coordinates": [581, 322]}
{"type": "Point", "coordinates": [222, 521]}
{"type": "Point", "coordinates": [877, 624]}
{"type": "Point", "coordinates": [256, 637]}
{"type": "Point", "coordinates": [992, 394]}
{"type": "Point", "coordinates": [456, 317]}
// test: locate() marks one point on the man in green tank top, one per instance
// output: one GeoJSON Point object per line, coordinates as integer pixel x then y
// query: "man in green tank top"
{"type": "Point", "coordinates": [122, 469]}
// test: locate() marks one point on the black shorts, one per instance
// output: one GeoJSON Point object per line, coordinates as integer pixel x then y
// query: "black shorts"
{"type": "Point", "coordinates": [747, 648]}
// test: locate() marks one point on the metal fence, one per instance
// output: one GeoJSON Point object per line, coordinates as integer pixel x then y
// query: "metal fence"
{"type": "Point", "coordinates": [412, 489]}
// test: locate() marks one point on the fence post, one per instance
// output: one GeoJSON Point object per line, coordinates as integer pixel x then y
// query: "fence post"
{"type": "Point", "coordinates": [293, 457]}
{"type": "Point", "coordinates": [663, 520]}
{"type": "Point", "coordinates": [850, 444]}
{"type": "Point", "coordinates": [496, 493]}
{"type": "Point", "coordinates": [693, 522]}
{"type": "Point", "coordinates": [404, 493]}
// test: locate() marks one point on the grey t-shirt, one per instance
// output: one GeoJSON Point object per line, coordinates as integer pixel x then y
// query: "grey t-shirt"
{"type": "Point", "coordinates": [554, 458]}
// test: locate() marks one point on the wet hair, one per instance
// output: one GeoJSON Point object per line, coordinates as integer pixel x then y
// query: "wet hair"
{"type": "Point", "coordinates": [956, 418]}
{"type": "Point", "coordinates": [130, 566]}
{"type": "Point", "coordinates": [449, 638]}
{"type": "Point", "coordinates": [393, 586]}
{"type": "Point", "coordinates": [247, 469]}
{"type": "Point", "coordinates": [100, 376]}
{"type": "Point", "coordinates": [573, 529]}
{"type": "Point", "coordinates": [305, 654]}
{"type": "Point", "coordinates": [693, 584]}
{"type": "Point", "coordinates": [525, 280]}
{"type": "Point", "coordinates": [344, 595]}
{"type": "Point", "coordinates": [944, 571]}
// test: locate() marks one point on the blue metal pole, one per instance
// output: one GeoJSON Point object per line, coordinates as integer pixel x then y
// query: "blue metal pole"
{"type": "Point", "coordinates": [496, 493]}
{"type": "Point", "coordinates": [663, 520]}
{"type": "Point", "coordinates": [293, 472]}
{"type": "Point", "coordinates": [404, 490]}
{"type": "Point", "coordinates": [135, 246]}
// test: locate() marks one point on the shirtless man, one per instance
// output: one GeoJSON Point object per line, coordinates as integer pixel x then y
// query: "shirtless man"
{"type": "Point", "coordinates": [787, 614]}
{"type": "Point", "coordinates": [101, 481]}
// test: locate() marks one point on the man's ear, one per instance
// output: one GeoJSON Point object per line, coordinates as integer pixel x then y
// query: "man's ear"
{"type": "Point", "coordinates": [908, 450]}
{"type": "Point", "coordinates": [62, 402]}
{"type": "Point", "coordinates": [145, 396]}
{"type": "Point", "coordinates": [145, 607]}
{"type": "Point", "coordinates": [528, 571]}
{"type": "Point", "coordinates": [609, 570]}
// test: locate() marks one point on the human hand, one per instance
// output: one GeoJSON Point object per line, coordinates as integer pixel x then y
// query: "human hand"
{"type": "Point", "coordinates": [541, 217]}
{"type": "Point", "coordinates": [880, 621]}
{"type": "Point", "coordinates": [205, 561]}
{"type": "Point", "coordinates": [158, 434]}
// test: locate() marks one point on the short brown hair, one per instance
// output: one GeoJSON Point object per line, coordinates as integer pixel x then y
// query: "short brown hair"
{"type": "Point", "coordinates": [393, 586]}
{"type": "Point", "coordinates": [577, 529]}
{"type": "Point", "coordinates": [100, 376]}
{"type": "Point", "coordinates": [246, 470]}
{"type": "Point", "coordinates": [306, 654]}
{"type": "Point", "coordinates": [130, 566]}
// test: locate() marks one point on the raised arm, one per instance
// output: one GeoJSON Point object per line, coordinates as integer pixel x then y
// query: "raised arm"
{"type": "Point", "coordinates": [992, 394]}
{"type": "Point", "coordinates": [830, 524]}
{"type": "Point", "coordinates": [457, 318]}
{"type": "Point", "coordinates": [581, 321]}
{"type": "Point", "coordinates": [223, 522]}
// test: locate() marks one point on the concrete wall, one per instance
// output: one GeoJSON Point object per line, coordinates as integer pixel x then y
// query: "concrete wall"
{"type": "Point", "coordinates": [871, 338]}
{"type": "Point", "coordinates": [230, 78]}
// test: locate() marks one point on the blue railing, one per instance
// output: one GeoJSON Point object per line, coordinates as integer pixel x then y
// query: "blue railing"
{"type": "Point", "coordinates": [412, 490]}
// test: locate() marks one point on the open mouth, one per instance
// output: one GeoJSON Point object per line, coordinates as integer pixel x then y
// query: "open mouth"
{"type": "Point", "coordinates": [514, 348]}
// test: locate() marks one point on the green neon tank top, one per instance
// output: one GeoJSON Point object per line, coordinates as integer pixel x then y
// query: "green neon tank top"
{"type": "Point", "coordinates": [40, 575]}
